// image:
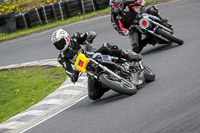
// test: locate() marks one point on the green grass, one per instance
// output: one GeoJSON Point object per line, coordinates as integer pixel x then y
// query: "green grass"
{"type": "Point", "coordinates": [39, 28]}
{"type": "Point", "coordinates": [23, 87]}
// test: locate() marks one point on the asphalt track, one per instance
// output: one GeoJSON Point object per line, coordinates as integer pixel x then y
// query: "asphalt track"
{"type": "Point", "coordinates": [171, 104]}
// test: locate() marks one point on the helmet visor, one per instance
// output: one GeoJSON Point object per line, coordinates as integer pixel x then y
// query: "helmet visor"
{"type": "Point", "coordinates": [60, 45]}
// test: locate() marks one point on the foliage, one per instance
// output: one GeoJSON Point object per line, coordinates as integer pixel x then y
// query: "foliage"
{"type": "Point", "coordinates": [8, 7]}
{"type": "Point", "coordinates": [22, 5]}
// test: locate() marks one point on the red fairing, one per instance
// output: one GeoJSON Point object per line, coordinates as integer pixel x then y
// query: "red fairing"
{"type": "Point", "coordinates": [137, 4]}
{"type": "Point", "coordinates": [121, 25]}
{"type": "Point", "coordinates": [114, 4]}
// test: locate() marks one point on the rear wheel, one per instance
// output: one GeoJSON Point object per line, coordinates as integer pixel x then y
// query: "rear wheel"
{"type": "Point", "coordinates": [148, 74]}
{"type": "Point", "coordinates": [169, 36]}
{"type": "Point", "coordinates": [121, 86]}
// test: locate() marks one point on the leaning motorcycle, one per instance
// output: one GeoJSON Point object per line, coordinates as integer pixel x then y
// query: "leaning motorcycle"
{"type": "Point", "coordinates": [151, 25]}
{"type": "Point", "coordinates": [115, 73]}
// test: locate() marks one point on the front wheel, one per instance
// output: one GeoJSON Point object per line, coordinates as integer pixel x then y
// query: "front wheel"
{"type": "Point", "coordinates": [118, 85]}
{"type": "Point", "coordinates": [170, 37]}
{"type": "Point", "coordinates": [148, 74]}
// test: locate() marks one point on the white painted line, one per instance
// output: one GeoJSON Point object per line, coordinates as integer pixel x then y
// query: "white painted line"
{"type": "Point", "coordinates": [53, 114]}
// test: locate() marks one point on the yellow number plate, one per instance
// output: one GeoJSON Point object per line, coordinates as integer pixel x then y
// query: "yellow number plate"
{"type": "Point", "coordinates": [81, 62]}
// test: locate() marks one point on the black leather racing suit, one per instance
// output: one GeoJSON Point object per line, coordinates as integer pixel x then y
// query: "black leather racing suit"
{"type": "Point", "coordinates": [122, 21]}
{"type": "Point", "coordinates": [68, 57]}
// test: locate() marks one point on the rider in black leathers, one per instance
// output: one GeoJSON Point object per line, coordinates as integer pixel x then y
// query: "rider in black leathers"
{"type": "Point", "coordinates": [123, 15]}
{"type": "Point", "coordinates": [69, 48]}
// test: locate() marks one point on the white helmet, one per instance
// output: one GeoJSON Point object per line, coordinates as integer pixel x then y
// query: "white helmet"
{"type": "Point", "coordinates": [60, 39]}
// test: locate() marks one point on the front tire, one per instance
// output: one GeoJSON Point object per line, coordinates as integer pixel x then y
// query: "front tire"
{"type": "Point", "coordinates": [170, 37]}
{"type": "Point", "coordinates": [117, 85]}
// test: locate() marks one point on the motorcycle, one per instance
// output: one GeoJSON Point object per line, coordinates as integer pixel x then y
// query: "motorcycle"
{"type": "Point", "coordinates": [151, 25]}
{"type": "Point", "coordinates": [118, 74]}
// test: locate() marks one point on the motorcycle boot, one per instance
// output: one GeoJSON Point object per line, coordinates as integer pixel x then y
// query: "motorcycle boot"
{"type": "Point", "coordinates": [95, 89]}
{"type": "Point", "coordinates": [132, 56]}
{"type": "Point", "coordinates": [135, 39]}
{"type": "Point", "coordinates": [136, 48]}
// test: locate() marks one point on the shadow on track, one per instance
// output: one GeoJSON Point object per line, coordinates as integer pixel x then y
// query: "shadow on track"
{"type": "Point", "coordinates": [110, 98]}
{"type": "Point", "coordinates": [159, 48]}
{"type": "Point", "coordinates": [115, 96]}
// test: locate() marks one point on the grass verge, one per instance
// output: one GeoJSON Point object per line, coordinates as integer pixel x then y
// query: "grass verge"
{"type": "Point", "coordinates": [40, 28]}
{"type": "Point", "coordinates": [23, 87]}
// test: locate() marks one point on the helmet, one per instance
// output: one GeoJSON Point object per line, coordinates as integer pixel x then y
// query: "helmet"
{"type": "Point", "coordinates": [60, 39]}
{"type": "Point", "coordinates": [116, 5]}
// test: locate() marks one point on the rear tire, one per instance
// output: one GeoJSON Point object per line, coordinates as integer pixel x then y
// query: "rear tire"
{"type": "Point", "coordinates": [148, 74]}
{"type": "Point", "coordinates": [170, 37]}
{"type": "Point", "coordinates": [117, 85]}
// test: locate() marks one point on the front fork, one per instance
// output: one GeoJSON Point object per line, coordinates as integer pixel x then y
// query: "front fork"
{"type": "Point", "coordinates": [141, 66]}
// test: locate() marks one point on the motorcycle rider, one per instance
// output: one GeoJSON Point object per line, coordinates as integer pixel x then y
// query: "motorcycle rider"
{"type": "Point", "coordinates": [69, 48]}
{"type": "Point", "coordinates": [123, 14]}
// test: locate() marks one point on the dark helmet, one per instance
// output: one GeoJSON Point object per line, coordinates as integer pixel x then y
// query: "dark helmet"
{"type": "Point", "coordinates": [116, 5]}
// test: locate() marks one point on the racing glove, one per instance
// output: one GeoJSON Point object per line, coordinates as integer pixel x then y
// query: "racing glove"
{"type": "Point", "coordinates": [80, 37]}
{"type": "Point", "coordinates": [74, 76]}
{"type": "Point", "coordinates": [125, 32]}
{"type": "Point", "coordinates": [90, 36]}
